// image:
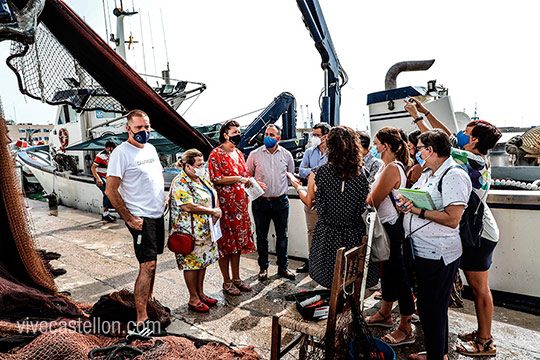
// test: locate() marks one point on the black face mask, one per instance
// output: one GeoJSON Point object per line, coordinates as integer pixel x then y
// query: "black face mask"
{"type": "Point", "coordinates": [235, 139]}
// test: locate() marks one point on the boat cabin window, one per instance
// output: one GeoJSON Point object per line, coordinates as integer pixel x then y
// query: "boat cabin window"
{"type": "Point", "coordinates": [67, 115]}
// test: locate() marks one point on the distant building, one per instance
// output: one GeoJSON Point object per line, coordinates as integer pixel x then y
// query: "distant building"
{"type": "Point", "coordinates": [31, 133]}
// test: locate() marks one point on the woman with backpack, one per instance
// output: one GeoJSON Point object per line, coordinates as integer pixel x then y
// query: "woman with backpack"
{"type": "Point", "coordinates": [470, 149]}
{"type": "Point", "coordinates": [435, 237]}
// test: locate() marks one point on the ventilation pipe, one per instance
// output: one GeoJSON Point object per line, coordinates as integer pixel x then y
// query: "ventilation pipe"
{"type": "Point", "coordinates": [397, 68]}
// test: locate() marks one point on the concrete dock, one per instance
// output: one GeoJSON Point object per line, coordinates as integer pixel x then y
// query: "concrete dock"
{"type": "Point", "coordinates": [99, 259]}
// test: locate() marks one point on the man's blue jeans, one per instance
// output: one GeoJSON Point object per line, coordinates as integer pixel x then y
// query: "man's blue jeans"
{"type": "Point", "coordinates": [106, 202]}
{"type": "Point", "coordinates": [276, 210]}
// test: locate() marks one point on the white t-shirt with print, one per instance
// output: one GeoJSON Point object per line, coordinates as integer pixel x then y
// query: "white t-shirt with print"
{"type": "Point", "coordinates": [142, 179]}
{"type": "Point", "coordinates": [434, 240]}
{"type": "Point", "coordinates": [480, 175]}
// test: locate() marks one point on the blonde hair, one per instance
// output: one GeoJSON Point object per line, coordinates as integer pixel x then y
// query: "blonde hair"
{"type": "Point", "coordinates": [188, 157]}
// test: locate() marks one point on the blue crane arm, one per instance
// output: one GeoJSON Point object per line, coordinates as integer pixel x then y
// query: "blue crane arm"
{"type": "Point", "coordinates": [335, 76]}
{"type": "Point", "coordinates": [283, 105]}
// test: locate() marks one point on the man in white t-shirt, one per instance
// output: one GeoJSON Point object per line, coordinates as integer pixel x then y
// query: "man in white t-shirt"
{"type": "Point", "coordinates": [135, 188]}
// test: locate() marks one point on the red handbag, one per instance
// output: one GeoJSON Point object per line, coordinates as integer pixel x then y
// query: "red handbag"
{"type": "Point", "coordinates": [181, 243]}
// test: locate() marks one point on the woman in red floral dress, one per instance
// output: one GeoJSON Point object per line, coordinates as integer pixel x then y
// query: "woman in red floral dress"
{"type": "Point", "coordinates": [229, 173]}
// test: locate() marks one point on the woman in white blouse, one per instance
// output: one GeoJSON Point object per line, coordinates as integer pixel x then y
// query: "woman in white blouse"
{"type": "Point", "coordinates": [435, 237]}
{"type": "Point", "coordinates": [394, 282]}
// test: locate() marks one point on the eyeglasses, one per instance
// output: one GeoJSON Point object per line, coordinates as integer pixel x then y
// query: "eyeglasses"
{"type": "Point", "coordinates": [417, 148]}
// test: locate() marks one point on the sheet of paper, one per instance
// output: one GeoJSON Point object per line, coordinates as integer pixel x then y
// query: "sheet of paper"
{"type": "Point", "coordinates": [255, 190]}
{"type": "Point", "coordinates": [215, 230]}
{"type": "Point", "coordinates": [420, 199]}
{"type": "Point", "coordinates": [293, 178]}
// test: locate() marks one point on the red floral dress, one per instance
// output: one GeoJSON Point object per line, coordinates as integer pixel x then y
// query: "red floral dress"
{"type": "Point", "coordinates": [235, 222]}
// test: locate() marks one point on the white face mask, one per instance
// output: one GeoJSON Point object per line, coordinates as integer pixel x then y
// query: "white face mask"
{"type": "Point", "coordinates": [200, 172]}
{"type": "Point", "coordinates": [315, 141]}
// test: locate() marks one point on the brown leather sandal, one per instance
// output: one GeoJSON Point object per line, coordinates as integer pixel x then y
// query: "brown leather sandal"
{"type": "Point", "coordinates": [230, 289]}
{"type": "Point", "coordinates": [409, 338]}
{"type": "Point", "coordinates": [242, 286]}
{"type": "Point", "coordinates": [385, 322]}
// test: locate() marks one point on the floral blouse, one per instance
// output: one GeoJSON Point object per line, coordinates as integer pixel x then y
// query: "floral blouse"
{"type": "Point", "coordinates": [185, 191]}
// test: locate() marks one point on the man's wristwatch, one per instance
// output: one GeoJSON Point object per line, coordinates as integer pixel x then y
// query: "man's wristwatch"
{"type": "Point", "coordinates": [418, 119]}
{"type": "Point", "coordinates": [422, 214]}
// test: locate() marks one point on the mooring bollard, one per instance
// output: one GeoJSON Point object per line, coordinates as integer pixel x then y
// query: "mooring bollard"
{"type": "Point", "coordinates": [53, 203]}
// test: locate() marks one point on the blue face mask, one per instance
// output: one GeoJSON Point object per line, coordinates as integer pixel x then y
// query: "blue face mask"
{"type": "Point", "coordinates": [462, 139]}
{"type": "Point", "coordinates": [376, 154]}
{"type": "Point", "coordinates": [421, 161]}
{"type": "Point", "coordinates": [269, 142]}
{"type": "Point", "coordinates": [142, 136]}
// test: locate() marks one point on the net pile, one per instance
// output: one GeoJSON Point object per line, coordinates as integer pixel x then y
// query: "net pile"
{"type": "Point", "coordinates": [48, 72]}
{"type": "Point", "coordinates": [68, 344]}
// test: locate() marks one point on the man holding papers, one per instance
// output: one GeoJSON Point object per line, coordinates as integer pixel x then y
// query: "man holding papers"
{"type": "Point", "coordinates": [314, 157]}
{"type": "Point", "coordinates": [269, 163]}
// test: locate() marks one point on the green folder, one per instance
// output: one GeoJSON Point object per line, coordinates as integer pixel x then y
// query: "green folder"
{"type": "Point", "coordinates": [421, 199]}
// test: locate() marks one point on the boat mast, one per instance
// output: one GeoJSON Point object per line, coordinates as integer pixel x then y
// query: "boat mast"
{"type": "Point", "coordinates": [166, 74]}
{"type": "Point", "coordinates": [120, 39]}
{"type": "Point", "coordinates": [475, 117]}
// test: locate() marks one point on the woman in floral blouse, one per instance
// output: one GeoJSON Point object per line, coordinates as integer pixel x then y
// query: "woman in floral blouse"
{"type": "Point", "coordinates": [229, 173]}
{"type": "Point", "coordinates": [193, 197]}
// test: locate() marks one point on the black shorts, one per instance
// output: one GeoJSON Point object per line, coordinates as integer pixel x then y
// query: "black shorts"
{"type": "Point", "coordinates": [478, 258]}
{"type": "Point", "coordinates": [152, 239]}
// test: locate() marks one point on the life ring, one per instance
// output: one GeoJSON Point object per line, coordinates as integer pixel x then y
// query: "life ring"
{"type": "Point", "coordinates": [63, 136]}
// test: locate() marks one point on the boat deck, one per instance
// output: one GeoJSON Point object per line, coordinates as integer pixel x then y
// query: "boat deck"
{"type": "Point", "coordinates": [99, 259]}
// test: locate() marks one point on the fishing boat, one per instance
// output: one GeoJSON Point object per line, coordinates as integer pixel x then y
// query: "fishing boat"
{"type": "Point", "coordinates": [87, 116]}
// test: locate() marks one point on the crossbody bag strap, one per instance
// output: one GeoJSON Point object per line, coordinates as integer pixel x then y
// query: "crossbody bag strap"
{"type": "Point", "coordinates": [193, 195]}
{"type": "Point", "coordinates": [391, 196]}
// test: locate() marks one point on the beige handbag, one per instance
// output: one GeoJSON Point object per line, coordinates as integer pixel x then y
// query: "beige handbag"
{"type": "Point", "coordinates": [380, 242]}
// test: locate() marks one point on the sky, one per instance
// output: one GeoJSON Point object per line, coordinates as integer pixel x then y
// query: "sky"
{"type": "Point", "coordinates": [249, 51]}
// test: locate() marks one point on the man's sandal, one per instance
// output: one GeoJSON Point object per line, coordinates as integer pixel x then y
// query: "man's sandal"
{"type": "Point", "coordinates": [468, 336]}
{"type": "Point", "coordinates": [477, 348]}
{"type": "Point", "coordinates": [409, 338]}
{"type": "Point", "coordinates": [385, 322]}
{"type": "Point", "coordinates": [230, 289]}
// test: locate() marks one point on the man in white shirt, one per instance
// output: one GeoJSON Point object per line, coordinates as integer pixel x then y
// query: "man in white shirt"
{"type": "Point", "coordinates": [269, 164]}
{"type": "Point", "coordinates": [135, 188]}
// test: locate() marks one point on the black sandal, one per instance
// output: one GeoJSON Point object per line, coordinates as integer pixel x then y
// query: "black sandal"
{"type": "Point", "coordinates": [477, 348]}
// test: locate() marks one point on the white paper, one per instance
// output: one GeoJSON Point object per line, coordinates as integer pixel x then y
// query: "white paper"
{"type": "Point", "coordinates": [255, 190]}
{"type": "Point", "coordinates": [215, 230]}
{"type": "Point", "coordinates": [293, 178]}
